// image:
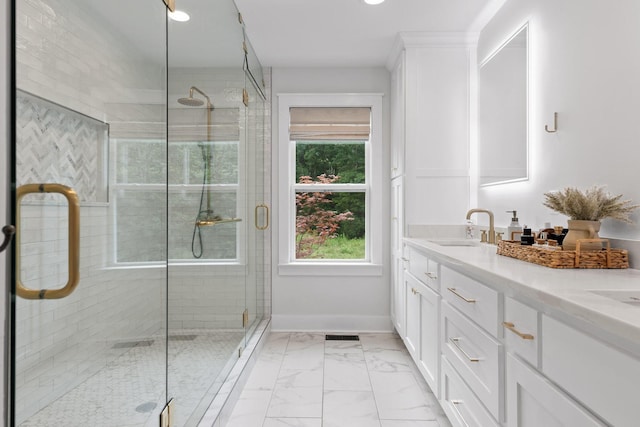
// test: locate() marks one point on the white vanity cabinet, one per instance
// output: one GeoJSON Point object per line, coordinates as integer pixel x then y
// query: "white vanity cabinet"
{"type": "Point", "coordinates": [422, 337]}
{"type": "Point", "coordinates": [602, 377]}
{"type": "Point", "coordinates": [511, 357]}
{"type": "Point", "coordinates": [470, 315]}
{"type": "Point", "coordinates": [521, 332]}
{"type": "Point", "coordinates": [534, 401]}
{"type": "Point", "coordinates": [397, 256]}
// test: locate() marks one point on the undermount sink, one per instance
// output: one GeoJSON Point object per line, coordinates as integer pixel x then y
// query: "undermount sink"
{"type": "Point", "coordinates": [458, 242]}
{"type": "Point", "coordinates": [631, 297]}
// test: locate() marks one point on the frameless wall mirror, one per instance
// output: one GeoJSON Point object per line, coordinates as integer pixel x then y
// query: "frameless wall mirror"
{"type": "Point", "coordinates": [502, 121]}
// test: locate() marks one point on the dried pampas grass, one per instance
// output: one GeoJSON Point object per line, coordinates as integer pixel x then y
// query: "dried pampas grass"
{"type": "Point", "coordinates": [593, 204]}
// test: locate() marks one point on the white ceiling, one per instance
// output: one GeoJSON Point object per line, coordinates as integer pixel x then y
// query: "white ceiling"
{"type": "Point", "coordinates": [336, 33]}
{"type": "Point", "coordinates": [287, 33]}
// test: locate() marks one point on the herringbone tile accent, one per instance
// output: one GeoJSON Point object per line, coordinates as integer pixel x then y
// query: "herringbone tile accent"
{"type": "Point", "coordinates": [55, 144]}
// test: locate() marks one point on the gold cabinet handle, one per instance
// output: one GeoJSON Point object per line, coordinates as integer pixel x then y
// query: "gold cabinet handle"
{"type": "Point", "coordinates": [266, 216]}
{"type": "Point", "coordinates": [465, 299]}
{"type": "Point", "coordinates": [415, 291]}
{"type": "Point", "coordinates": [510, 326]}
{"type": "Point", "coordinates": [405, 259]}
{"type": "Point", "coordinates": [432, 276]}
{"type": "Point", "coordinates": [74, 242]}
{"type": "Point", "coordinates": [455, 342]}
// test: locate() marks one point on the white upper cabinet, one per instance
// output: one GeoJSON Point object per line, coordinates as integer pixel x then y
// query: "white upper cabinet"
{"type": "Point", "coordinates": [430, 99]}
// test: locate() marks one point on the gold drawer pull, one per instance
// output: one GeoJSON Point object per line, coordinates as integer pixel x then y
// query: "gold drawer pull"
{"type": "Point", "coordinates": [455, 292]}
{"type": "Point", "coordinates": [415, 291]}
{"type": "Point", "coordinates": [432, 276]}
{"type": "Point", "coordinates": [455, 341]}
{"type": "Point", "coordinates": [510, 326]}
{"type": "Point", "coordinates": [405, 259]}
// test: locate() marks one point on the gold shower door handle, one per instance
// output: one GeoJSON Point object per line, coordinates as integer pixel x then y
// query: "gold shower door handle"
{"type": "Point", "coordinates": [74, 242]}
{"type": "Point", "coordinates": [266, 216]}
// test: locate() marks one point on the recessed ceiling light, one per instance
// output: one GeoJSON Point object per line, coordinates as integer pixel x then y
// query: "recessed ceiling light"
{"type": "Point", "coordinates": [373, 1]}
{"type": "Point", "coordinates": [179, 16]}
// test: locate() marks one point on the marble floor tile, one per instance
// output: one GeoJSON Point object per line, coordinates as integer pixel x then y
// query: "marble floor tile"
{"type": "Point", "coordinates": [302, 402]}
{"type": "Point", "coordinates": [409, 423]}
{"type": "Point", "coordinates": [276, 343]}
{"type": "Point", "coordinates": [292, 422]}
{"type": "Point", "coordinates": [388, 360]}
{"type": "Point", "coordinates": [308, 358]}
{"type": "Point", "coordinates": [381, 342]}
{"type": "Point", "coordinates": [264, 374]}
{"type": "Point", "coordinates": [342, 347]}
{"type": "Point", "coordinates": [399, 397]}
{"type": "Point", "coordinates": [349, 408]}
{"type": "Point", "coordinates": [347, 371]}
{"type": "Point", "coordinates": [251, 408]}
{"type": "Point", "coordinates": [292, 378]}
{"type": "Point", "coordinates": [316, 383]}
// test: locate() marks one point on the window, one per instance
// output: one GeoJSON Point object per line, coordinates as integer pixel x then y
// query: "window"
{"type": "Point", "coordinates": [204, 182]}
{"type": "Point", "coordinates": [330, 199]}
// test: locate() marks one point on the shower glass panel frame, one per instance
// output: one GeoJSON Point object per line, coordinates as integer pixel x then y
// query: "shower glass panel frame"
{"type": "Point", "coordinates": [149, 322]}
{"type": "Point", "coordinates": [97, 356]}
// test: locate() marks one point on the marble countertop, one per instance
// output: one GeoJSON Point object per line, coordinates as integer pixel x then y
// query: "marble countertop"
{"type": "Point", "coordinates": [569, 292]}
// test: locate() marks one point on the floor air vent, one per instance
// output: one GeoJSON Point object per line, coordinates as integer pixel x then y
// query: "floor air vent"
{"type": "Point", "coordinates": [342, 338]}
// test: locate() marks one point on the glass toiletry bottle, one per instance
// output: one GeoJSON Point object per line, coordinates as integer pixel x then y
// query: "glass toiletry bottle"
{"type": "Point", "coordinates": [527, 238]}
{"type": "Point", "coordinates": [514, 230]}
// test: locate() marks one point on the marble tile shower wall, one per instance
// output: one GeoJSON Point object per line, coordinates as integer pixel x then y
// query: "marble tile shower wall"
{"type": "Point", "coordinates": [68, 56]}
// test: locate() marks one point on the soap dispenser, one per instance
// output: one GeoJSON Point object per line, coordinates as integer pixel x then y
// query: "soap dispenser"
{"type": "Point", "coordinates": [514, 230]}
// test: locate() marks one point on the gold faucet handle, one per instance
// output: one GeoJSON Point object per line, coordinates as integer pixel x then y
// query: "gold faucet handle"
{"type": "Point", "coordinates": [483, 236]}
{"type": "Point", "coordinates": [498, 236]}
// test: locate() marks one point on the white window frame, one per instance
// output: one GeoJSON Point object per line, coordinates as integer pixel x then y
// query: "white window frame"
{"type": "Point", "coordinates": [241, 209]}
{"type": "Point", "coordinates": [287, 262]}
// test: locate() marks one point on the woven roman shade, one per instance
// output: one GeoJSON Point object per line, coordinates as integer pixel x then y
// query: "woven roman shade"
{"type": "Point", "coordinates": [329, 123]}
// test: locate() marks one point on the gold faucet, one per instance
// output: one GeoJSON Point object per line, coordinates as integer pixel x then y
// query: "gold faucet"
{"type": "Point", "coordinates": [492, 231]}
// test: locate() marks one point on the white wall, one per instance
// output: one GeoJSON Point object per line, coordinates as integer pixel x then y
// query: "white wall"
{"type": "Point", "coordinates": [585, 63]}
{"type": "Point", "coordinates": [336, 303]}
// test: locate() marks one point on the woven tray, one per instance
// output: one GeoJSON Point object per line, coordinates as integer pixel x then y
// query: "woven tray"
{"type": "Point", "coordinates": [558, 258]}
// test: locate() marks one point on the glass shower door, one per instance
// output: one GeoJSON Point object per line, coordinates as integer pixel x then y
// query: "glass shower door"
{"type": "Point", "coordinates": [89, 333]}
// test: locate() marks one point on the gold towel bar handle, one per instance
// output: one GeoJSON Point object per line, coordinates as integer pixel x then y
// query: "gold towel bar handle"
{"type": "Point", "coordinates": [74, 242]}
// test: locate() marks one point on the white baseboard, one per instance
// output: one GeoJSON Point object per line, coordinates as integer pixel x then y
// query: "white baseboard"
{"type": "Point", "coordinates": [328, 323]}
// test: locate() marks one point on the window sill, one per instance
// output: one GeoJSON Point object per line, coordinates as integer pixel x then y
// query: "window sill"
{"type": "Point", "coordinates": [330, 269]}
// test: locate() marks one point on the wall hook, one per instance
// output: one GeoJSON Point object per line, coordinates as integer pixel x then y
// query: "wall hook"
{"type": "Point", "coordinates": [555, 124]}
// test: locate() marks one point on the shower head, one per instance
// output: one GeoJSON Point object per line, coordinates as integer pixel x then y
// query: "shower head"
{"type": "Point", "coordinates": [195, 102]}
{"type": "Point", "coordinates": [191, 102]}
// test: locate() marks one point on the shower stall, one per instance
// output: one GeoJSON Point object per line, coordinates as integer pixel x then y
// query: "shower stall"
{"type": "Point", "coordinates": [141, 205]}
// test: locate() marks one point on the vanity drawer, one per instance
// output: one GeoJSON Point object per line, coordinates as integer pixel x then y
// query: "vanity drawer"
{"type": "Point", "coordinates": [423, 268]}
{"type": "Point", "coordinates": [459, 403]}
{"type": "Point", "coordinates": [600, 376]}
{"type": "Point", "coordinates": [476, 355]}
{"type": "Point", "coordinates": [521, 334]}
{"type": "Point", "coordinates": [472, 298]}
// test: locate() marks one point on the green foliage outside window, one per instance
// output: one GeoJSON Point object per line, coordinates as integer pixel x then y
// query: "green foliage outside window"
{"type": "Point", "coordinates": [345, 160]}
